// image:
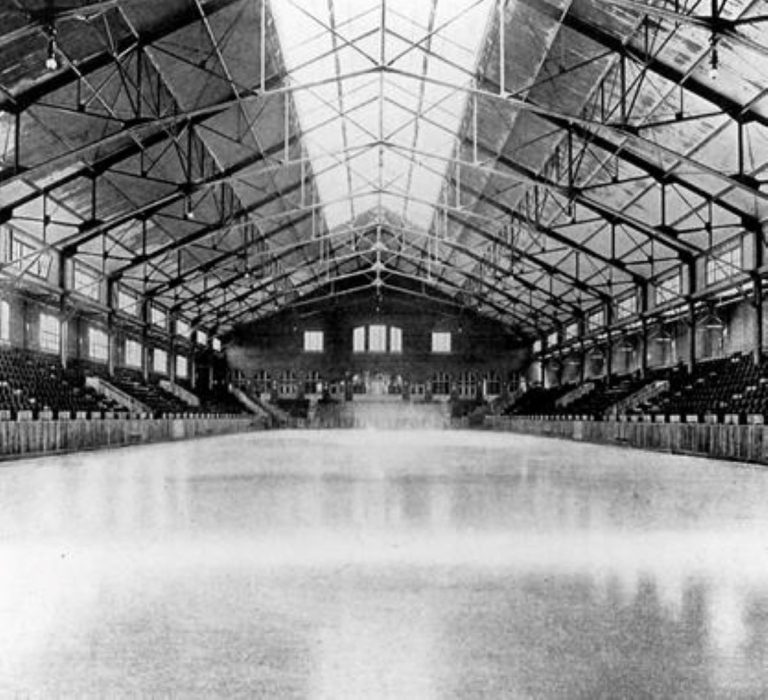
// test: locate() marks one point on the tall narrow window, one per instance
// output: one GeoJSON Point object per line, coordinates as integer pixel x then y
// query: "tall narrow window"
{"type": "Point", "coordinates": [395, 339]}
{"type": "Point", "coordinates": [182, 367]}
{"type": "Point", "coordinates": [441, 341]}
{"type": "Point", "coordinates": [358, 339]}
{"type": "Point", "coordinates": [160, 361]}
{"type": "Point", "coordinates": [313, 341]}
{"type": "Point", "coordinates": [132, 353]}
{"type": "Point", "coordinates": [441, 384]}
{"type": "Point", "coordinates": [377, 338]}
{"type": "Point", "coordinates": [98, 345]}
{"type": "Point", "coordinates": [668, 289]}
{"type": "Point", "coordinates": [5, 321]}
{"type": "Point", "coordinates": [158, 317]}
{"type": "Point", "coordinates": [216, 344]}
{"type": "Point", "coordinates": [467, 385]}
{"type": "Point", "coordinates": [202, 337]}
{"type": "Point", "coordinates": [182, 328]}
{"type": "Point", "coordinates": [86, 282]}
{"type": "Point", "coordinates": [49, 333]}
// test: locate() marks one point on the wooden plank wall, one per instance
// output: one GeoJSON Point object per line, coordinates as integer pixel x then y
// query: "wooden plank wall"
{"type": "Point", "coordinates": [38, 437]}
{"type": "Point", "coordinates": [746, 443]}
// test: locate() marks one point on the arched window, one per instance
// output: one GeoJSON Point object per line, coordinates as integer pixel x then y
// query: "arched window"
{"type": "Point", "coordinates": [441, 384]}
{"type": "Point", "coordinates": [467, 385]}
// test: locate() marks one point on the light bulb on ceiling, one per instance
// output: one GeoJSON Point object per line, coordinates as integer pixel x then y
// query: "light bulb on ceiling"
{"type": "Point", "coordinates": [188, 211]}
{"type": "Point", "coordinates": [714, 62]}
{"type": "Point", "coordinates": [51, 62]}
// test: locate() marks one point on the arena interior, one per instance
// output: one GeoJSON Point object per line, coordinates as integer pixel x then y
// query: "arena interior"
{"type": "Point", "coordinates": [431, 335]}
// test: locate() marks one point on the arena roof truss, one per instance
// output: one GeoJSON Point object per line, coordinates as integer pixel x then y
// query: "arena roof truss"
{"type": "Point", "coordinates": [533, 160]}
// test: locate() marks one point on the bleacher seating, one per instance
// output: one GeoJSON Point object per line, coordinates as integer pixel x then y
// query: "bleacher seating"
{"type": "Point", "coordinates": [731, 385]}
{"type": "Point", "coordinates": [597, 402]}
{"type": "Point", "coordinates": [36, 382]}
{"type": "Point", "coordinates": [219, 401]}
{"type": "Point", "coordinates": [296, 408]}
{"type": "Point", "coordinates": [538, 401]}
{"type": "Point", "coordinates": [152, 395]}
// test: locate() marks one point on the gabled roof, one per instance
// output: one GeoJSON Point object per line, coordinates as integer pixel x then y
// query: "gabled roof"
{"type": "Point", "coordinates": [226, 156]}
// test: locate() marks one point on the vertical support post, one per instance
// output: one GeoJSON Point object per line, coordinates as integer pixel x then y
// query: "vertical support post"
{"type": "Point", "coordinates": [609, 343]}
{"type": "Point", "coordinates": [757, 292]}
{"type": "Point", "coordinates": [623, 81]}
{"type": "Point", "coordinates": [192, 368]}
{"type": "Point", "coordinates": [691, 316]}
{"type": "Point", "coordinates": [111, 339]}
{"type": "Point", "coordinates": [382, 34]}
{"type": "Point", "coordinates": [263, 47]}
{"type": "Point", "coordinates": [474, 127]}
{"type": "Point", "coordinates": [458, 187]}
{"type": "Point", "coordinates": [172, 358]}
{"type": "Point", "coordinates": [146, 357]}
{"type": "Point", "coordinates": [757, 350]}
{"type": "Point", "coordinates": [139, 81]}
{"type": "Point", "coordinates": [303, 175]}
{"type": "Point", "coordinates": [286, 126]}
{"type": "Point", "coordinates": [63, 321]}
{"type": "Point", "coordinates": [644, 329]}
{"type": "Point", "coordinates": [17, 142]}
{"type": "Point", "coordinates": [502, 49]}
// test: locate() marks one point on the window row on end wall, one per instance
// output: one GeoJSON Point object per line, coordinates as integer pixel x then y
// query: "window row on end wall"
{"type": "Point", "coordinates": [377, 338]}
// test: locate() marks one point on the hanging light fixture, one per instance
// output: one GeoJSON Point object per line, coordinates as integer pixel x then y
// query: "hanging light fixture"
{"type": "Point", "coordinates": [189, 212]}
{"type": "Point", "coordinates": [51, 61]}
{"type": "Point", "coordinates": [714, 59]}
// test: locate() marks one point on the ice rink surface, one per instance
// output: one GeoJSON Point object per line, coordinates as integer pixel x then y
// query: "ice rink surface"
{"type": "Point", "coordinates": [365, 564]}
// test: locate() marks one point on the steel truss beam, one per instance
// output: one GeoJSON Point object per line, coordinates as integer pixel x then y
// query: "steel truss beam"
{"type": "Point", "coordinates": [70, 74]}
{"type": "Point", "coordinates": [318, 280]}
{"type": "Point", "coordinates": [675, 75]}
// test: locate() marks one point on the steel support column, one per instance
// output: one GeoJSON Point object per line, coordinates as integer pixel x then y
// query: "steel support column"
{"type": "Point", "coordinates": [757, 294]}
{"type": "Point", "coordinates": [644, 330]}
{"type": "Point", "coordinates": [691, 317]}
{"type": "Point", "coordinates": [608, 343]}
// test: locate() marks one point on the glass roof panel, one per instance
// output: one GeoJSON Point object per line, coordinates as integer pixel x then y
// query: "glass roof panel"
{"type": "Point", "coordinates": [380, 134]}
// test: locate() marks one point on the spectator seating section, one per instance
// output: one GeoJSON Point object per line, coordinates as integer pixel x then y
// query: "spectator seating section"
{"type": "Point", "coordinates": [159, 401]}
{"type": "Point", "coordinates": [733, 386]}
{"type": "Point", "coordinates": [538, 401]}
{"type": "Point", "coordinates": [36, 382]}
{"type": "Point", "coordinates": [597, 402]}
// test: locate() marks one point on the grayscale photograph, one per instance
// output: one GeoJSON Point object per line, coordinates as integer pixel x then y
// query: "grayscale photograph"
{"type": "Point", "coordinates": [383, 349]}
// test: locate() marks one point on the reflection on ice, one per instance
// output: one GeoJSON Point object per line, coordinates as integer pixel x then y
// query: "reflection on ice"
{"type": "Point", "coordinates": [394, 565]}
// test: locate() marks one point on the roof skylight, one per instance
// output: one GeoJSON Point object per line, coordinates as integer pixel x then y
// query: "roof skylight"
{"type": "Point", "coordinates": [380, 130]}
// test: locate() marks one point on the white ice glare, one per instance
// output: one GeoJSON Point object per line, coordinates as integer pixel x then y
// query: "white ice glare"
{"type": "Point", "coordinates": [380, 138]}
